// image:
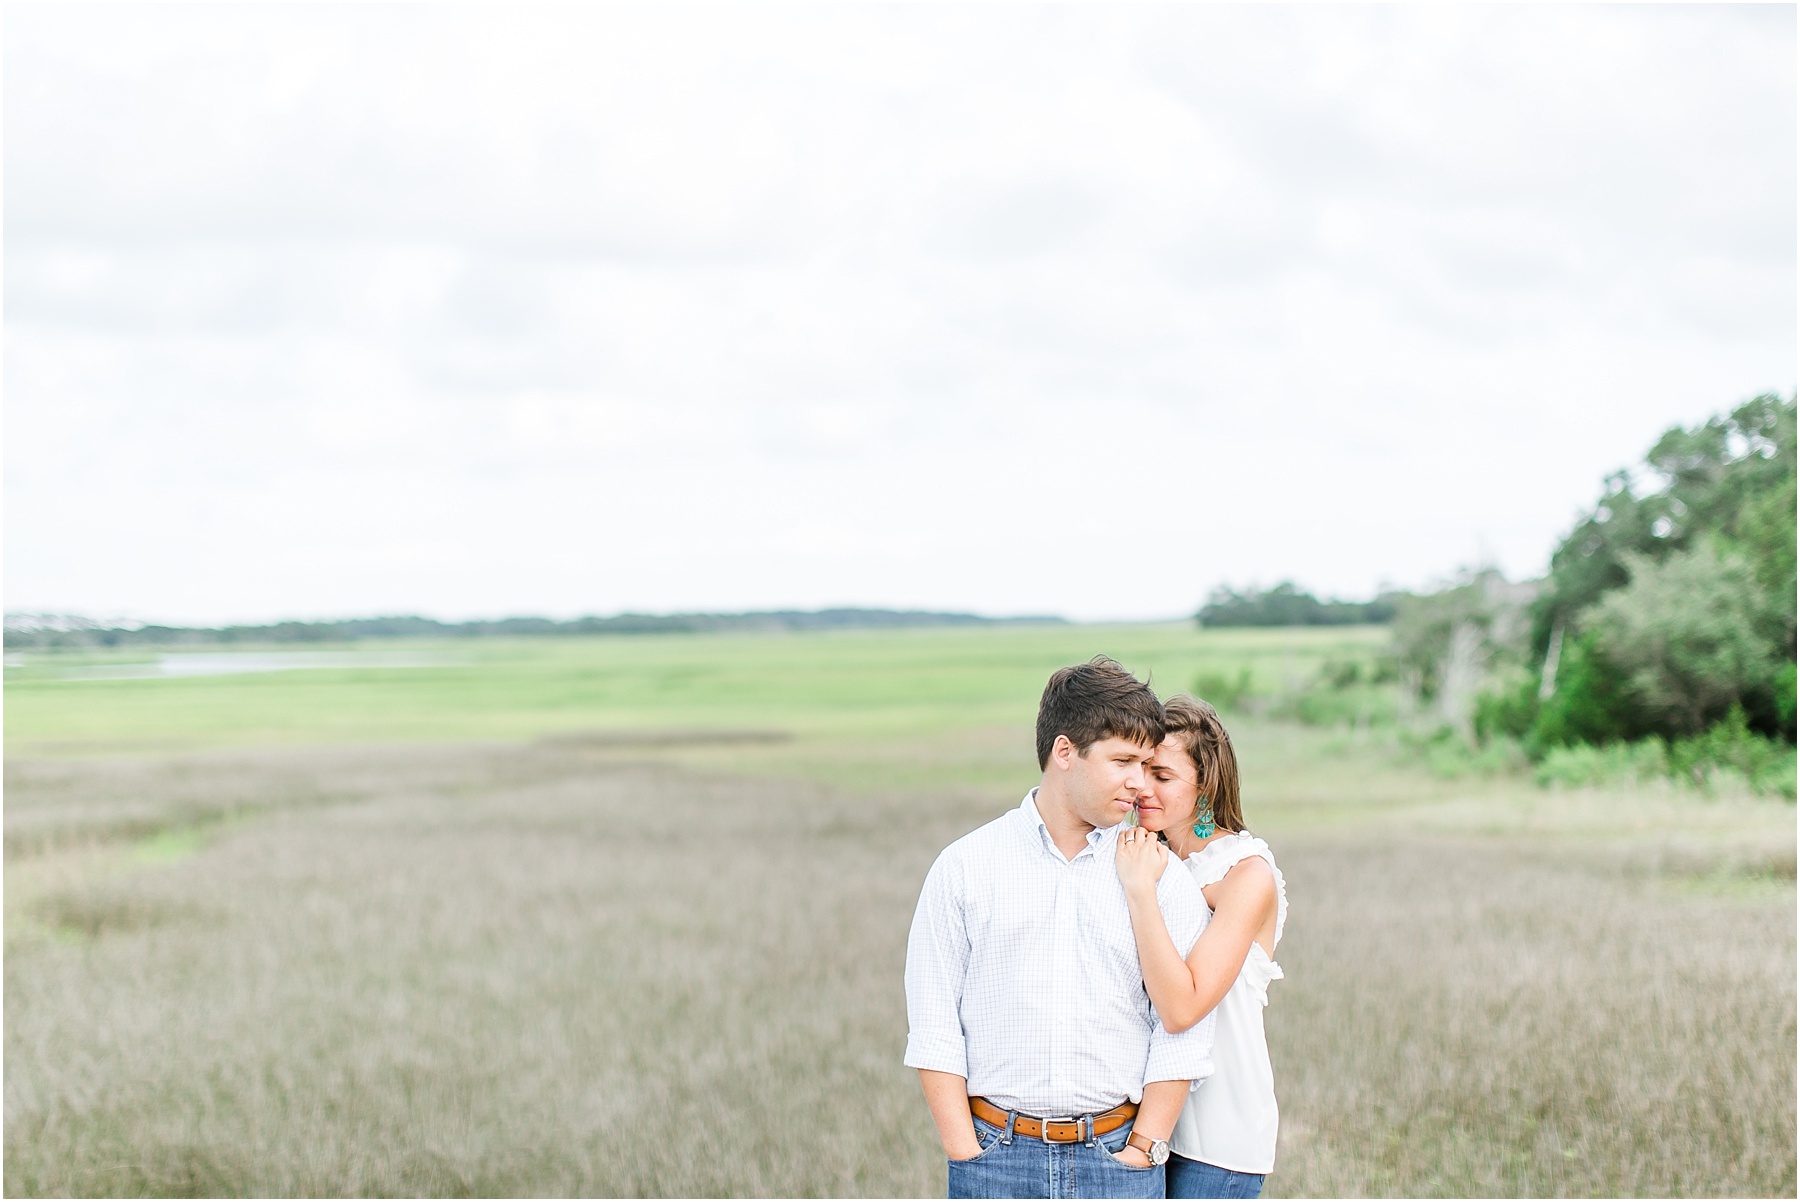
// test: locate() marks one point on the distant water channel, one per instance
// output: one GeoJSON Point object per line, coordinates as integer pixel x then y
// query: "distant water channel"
{"type": "Point", "coordinates": [233, 663]}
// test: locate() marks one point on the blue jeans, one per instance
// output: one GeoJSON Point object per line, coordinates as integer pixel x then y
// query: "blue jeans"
{"type": "Point", "coordinates": [1030, 1168]}
{"type": "Point", "coordinates": [1197, 1179]}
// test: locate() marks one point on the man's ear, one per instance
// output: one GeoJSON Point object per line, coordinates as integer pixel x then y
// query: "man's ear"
{"type": "Point", "coordinates": [1062, 751]}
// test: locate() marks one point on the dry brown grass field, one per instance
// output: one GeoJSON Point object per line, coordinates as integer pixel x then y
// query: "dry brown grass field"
{"type": "Point", "coordinates": [559, 968]}
{"type": "Point", "coordinates": [628, 917]}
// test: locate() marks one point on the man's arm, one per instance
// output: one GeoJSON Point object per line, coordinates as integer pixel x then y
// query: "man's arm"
{"type": "Point", "coordinates": [937, 957]}
{"type": "Point", "coordinates": [947, 1095]}
{"type": "Point", "coordinates": [1156, 1117]}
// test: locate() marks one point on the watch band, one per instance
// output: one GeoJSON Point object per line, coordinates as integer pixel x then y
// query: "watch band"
{"type": "Point", "coordinates": [1149, 1147]}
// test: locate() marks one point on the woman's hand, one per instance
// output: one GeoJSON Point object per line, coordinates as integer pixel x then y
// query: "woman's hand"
{"type": "Point", "coordinates": [1140, 859]}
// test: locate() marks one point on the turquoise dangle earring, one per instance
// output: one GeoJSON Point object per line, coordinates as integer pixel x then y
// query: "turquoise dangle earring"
{"type": "Point", "coordinates": [1205, 827]}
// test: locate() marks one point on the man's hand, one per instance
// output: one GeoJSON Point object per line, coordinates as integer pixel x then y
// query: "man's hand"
{"type": "Point", "coordinates": [947, 1096]}
{"type": "Point", "coordinates": [1156, 1117]}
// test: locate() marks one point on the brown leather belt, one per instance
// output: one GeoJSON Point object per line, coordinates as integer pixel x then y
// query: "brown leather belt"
{"type": "Point", "coordinates": [1056, 1131]}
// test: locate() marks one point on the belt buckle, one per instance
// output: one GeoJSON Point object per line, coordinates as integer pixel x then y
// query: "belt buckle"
{"type": "Point", "coordinates": [1044, 1130]}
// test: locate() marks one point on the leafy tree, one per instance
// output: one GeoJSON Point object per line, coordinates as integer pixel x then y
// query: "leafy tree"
{"type": "Point", "coordinates": [1731, 478]}
{"type": "Point", "coordinates": [1449, 641]}
{"type": "Point", "coordinates": [1590, 703]}
{"type": "Point", "coordinates": [1676, 601]}
{"type": "Point", "coordinates": [1690, 634]}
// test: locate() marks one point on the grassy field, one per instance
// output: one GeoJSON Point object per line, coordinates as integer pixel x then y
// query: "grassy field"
{"type": "Point", "coordinates": [627, 916]}
{"type": "Point", "coordinates": [851, 702]}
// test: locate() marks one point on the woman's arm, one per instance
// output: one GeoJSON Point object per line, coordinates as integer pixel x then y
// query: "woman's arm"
{"type": "Point", "coordinates": [1184, 992]}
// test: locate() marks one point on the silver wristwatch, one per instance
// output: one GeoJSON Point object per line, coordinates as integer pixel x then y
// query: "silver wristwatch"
{"type": "Point", "coordinates": [1156, 1149]}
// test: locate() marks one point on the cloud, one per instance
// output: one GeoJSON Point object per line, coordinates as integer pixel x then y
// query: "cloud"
{"type": "Point", "coordinates": [333, 309]}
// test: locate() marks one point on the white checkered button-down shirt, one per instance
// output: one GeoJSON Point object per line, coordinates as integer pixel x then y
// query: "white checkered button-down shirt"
{"type": "Point", "coordinates": [1022, 974]}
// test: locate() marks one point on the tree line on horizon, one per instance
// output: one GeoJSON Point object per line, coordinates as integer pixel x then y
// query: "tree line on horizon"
{"type": "Point", "coordinates": [54, 631]}
{"type": "Point", "coordinates": [1287, 604]}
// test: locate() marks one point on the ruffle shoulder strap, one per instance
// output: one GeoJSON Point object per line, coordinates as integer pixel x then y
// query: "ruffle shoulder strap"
{"type": "Point", "coordinates": [1212, 862]}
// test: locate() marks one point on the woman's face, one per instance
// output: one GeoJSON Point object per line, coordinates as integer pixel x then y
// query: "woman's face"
{"type": "Point", "coordinates": [1171, 788]}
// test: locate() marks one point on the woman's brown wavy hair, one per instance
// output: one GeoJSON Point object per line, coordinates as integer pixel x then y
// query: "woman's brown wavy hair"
{"type": "Point", "coordinates": [1196, 726]}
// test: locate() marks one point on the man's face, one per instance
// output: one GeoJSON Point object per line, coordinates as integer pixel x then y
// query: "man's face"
{"type": "Point", "coordinates": [1104, 784]}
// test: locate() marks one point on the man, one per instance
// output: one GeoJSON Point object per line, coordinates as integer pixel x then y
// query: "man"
{"type": "Point", "coordinates": [1044, 1065]}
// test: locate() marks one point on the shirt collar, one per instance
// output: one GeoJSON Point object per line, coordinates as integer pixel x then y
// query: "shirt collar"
{"type": "Point", "coordinates": [1095, 837]}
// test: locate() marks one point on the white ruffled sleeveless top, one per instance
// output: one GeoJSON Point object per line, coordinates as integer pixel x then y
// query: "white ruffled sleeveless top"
{"type": "Point", "coordinates": [1231, 1117]}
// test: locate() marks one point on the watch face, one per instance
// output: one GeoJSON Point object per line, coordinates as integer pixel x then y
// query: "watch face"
{"type": "Point", "coordinates": [1159, 1152]}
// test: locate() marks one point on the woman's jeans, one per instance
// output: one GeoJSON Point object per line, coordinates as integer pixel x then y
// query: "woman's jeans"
{"type": "Point", "coordinates": [1030, 1168]}
{"type": "Point", "coordinates": [1197, 1179]}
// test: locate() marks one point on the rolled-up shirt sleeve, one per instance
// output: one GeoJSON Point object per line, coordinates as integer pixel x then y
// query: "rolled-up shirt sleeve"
{"type": "Point", "coordinates": [937, 959]}
{"type": "Point", "coordinates": [1187, 1056]}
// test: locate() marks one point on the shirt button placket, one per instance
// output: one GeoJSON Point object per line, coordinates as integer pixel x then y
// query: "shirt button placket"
{"type": "Point", "coordinates": [1062, 977]}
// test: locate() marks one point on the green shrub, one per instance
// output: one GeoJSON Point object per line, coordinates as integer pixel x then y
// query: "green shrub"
{"type": "Point", "coordinates": [1448, 755]}
{"type": "Point", "coordinates": [1222, 691]}
{"type": "Point", "coordinates": [1784, 698]}
{"type": "Point", "coordinates": [1729, 750]}
{"type": "Point", "coordinates": [1766, 765]}
{"type": "Point", "coordinates": [1591, 703]}
{"type": "Point", "coordinates": [1344, 693]}
{"type": "Point", "coordinates": [1610, 764]}
{"type": "Point", "coordinates": [1355, 705]}
{"type": "Point", "coordinates": [1507, 712]}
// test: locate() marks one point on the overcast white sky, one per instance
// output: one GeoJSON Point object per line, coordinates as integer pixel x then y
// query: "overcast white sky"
{"type": "Point", "coordinates": [330, 310]}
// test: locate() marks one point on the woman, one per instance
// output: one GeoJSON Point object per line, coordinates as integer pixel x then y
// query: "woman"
{"type": "Point", "coordinates": [1224, 1142]}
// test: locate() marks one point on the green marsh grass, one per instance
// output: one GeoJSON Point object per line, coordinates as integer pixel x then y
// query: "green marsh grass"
{"type": "Point", "coordinates": [352, 933]}
{"type": "Point", "coordinates": [873, 688]}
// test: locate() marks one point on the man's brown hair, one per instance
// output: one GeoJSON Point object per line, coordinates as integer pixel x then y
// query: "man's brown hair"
{"type": "Point", "coordinates": [1093, 701]}
{"type": "Point", "coordinates": [1196, 726]}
